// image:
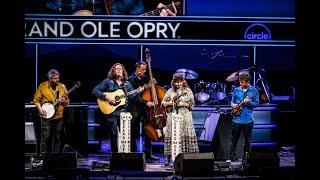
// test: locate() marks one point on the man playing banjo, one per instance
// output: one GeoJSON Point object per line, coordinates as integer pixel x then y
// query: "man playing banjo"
{"type": "Point", "coordinates": [48, 93]}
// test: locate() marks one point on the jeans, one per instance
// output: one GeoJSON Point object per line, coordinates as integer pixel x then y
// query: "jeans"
{"type": "Point", "coordinates": [113, 123]}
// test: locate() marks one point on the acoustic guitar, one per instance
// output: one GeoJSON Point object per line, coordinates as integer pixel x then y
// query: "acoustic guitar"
{"type": "Point", "coordinates": [119, 96]}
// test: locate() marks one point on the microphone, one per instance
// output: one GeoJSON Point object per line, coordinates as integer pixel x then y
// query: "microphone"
{"type": "Point", "coordinates": [139, 74]}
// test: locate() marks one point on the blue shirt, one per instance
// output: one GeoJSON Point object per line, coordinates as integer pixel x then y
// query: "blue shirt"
{"type": "Point", "coordinates": [238, 95]}
{"type": "Point", "coordinates": [110, 85]}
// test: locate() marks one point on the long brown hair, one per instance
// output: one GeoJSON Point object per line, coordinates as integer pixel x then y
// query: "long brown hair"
{"type": "Point", "coordinates": [112, 72]}
{"type": "Point", "coordinates": [179, 77]}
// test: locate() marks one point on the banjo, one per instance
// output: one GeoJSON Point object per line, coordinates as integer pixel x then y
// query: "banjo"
{"type": "Point", "coordinates": [50, 108]}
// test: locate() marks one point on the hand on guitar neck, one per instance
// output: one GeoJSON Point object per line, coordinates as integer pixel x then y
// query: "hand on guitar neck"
{"type": "Point", "coordinates": [164, 11]}
{"type": "Point", "coordinates": [63, 101]}
{"type": "Point", "coordinates": [245, 100]}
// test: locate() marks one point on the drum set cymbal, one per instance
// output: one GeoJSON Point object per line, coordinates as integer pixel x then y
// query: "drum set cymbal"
{"type": "Point", "coordinates": [188, 74]}
{"type": "Point", "coordinates": [235, 76]}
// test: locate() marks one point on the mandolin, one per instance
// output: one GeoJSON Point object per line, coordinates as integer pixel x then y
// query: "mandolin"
{"type": "Point", "coordinates": [236, 111]}
{"type": "Point", "coordinates": [175, 98]}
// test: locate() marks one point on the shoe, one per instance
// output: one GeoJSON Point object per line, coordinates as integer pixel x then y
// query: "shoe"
{"type": "Point", "coordinates": [228, 161]}
{"type": "Point", "coordinates": [153, 158]}
{"type": "Point", "coordinates": [168, 164]}
{"type": "Point", "coordinates": [37, 164]}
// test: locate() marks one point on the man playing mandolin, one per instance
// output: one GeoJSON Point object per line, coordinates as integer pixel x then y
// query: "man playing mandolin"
{"type": "Point", "coordinates": [244, 99]}
{"type": "Point", "coordinates": [51, 91]}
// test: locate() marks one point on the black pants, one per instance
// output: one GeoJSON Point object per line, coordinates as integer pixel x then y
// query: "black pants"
{"type": "Point", "coordinates": [236, 131]}
{"type": "Point", "coordinates": [135, 132]}
{"type": "Point", "coordinates": [51, 132]}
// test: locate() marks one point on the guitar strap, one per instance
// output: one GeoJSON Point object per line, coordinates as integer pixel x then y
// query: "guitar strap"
{"type": "Point", "coordinates": [57, 97]}
{"type": "Point", "coordinates": [125, 88]}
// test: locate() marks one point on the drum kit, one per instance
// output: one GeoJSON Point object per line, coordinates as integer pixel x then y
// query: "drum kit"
{"type": "Point", "coordinates": [207, 93]}
{"type": "Point", "coordinates": [210, 92]}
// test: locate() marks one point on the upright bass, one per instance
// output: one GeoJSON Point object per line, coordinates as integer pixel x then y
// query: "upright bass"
{"type": "Point", "coordinates": [157, 114]}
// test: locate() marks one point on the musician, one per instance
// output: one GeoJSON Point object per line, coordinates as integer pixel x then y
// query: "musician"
{"type": "Point", "coordinates": [97, 7]}
{"type": "Point", "coordinates": [51, 129]}
{"type": "Point", "coordinates": [243, 122]}
{"type": "Point", "coordinates": [104, 7]}
{"type": "Point", "coordinates": [139, 110]}
{"type": "Point", "coordinates": [183, 105]}
{"type": "Point", "coordinates": [138, 7]}
{"type": "Point", "coordinates": [117, 79]}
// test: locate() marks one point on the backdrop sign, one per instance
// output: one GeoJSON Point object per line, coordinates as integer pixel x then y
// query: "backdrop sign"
{"type": "Point", "coordinates": [107, 29]}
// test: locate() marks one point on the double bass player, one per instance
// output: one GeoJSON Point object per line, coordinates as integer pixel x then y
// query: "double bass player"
{"type": "Point", "coordinates": [139, 111]}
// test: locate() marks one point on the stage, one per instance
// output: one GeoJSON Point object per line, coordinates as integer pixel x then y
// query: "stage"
{"type": "Point", "coordinates": [155, 170]}
{"type": "Point", "coordinates": [274, 156]}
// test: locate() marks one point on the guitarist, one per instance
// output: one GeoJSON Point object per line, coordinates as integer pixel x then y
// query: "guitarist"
{"type": "Point", "coordinates": [244, 122]}
{"type": "Point", "coordinates": [139, 110]}
{"type": "Point", "coordinates": [117, 79]}
{"type": "Point", "coordinates": [51, 129]}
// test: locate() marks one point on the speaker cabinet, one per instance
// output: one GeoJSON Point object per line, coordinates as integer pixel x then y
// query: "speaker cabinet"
{"type": "Point", "coordinates": [127, 162]}
{"type": "Point", "coordinates": [61, 160]}
{"type": "Point", "coordinates": [258, 161]}
{"type": "Point", "coordinates": [194, 164]}
{"type": "Point", "coordinates": [30, 138]}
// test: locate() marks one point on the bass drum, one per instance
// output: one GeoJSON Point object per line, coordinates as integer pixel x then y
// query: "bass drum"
{"type": "Point", "coordinates": [217, 90]}
{"type": "Point", "coordinates": [83, 13]}
{"type": "Point", "coordinates": [202, 95]}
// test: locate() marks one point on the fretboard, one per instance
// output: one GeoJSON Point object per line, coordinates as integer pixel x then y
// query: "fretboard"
{"type": "Point", "coordinates": [156, 12]}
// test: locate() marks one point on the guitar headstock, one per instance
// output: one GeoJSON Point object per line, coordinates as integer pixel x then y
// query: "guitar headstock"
{"type": "Point", "coordinates": [77, 84]}
{"type": "Point", "coordinates": [182, 94]}
{"type": "Point", "coordinates": [148, 55]}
